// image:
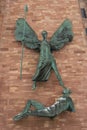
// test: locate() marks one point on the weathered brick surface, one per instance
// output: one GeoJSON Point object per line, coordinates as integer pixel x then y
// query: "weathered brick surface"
{"type": "Point", "coordinates": [71, 61]}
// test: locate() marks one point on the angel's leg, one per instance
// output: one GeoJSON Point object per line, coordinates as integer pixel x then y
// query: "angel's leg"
{"type": "Point", "coordinates": [54, 66]}
{"type": "Point", "coordinates": [26, 111]}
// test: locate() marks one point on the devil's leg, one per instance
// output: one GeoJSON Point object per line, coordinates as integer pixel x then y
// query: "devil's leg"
{"type": "Point", "coordinates": [43, 113]}
{"type": "Point", "coordinates": [25, 111]}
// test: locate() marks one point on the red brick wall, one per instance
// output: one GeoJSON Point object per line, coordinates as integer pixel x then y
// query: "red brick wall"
{"type": "Point", "coordinates": [71, 61]}
{"type": "Point", "coordinates": [2, 13]}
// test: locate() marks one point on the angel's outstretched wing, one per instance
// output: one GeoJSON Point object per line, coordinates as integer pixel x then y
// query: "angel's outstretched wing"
{"type": "Point", "coordinates": [26, 34]}
{"type": "Point", "coordinates": [62, 36]}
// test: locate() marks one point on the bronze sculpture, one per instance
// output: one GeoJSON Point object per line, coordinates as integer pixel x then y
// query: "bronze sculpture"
{"type": "Point", "coordinates": [46, 63]}
{"type": "Point", "coordinates": [64, 103]}
{"type": "Point", "coordinates": [62, 36]}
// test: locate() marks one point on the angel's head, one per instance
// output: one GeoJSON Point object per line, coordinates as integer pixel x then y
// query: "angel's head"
{"type": "Point", "coordinates": [44, 35]}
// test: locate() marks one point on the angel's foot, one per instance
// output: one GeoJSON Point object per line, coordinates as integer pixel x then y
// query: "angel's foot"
{"type": "Point", "coordinates": [34, 85]}
{"type": "Point", "coordinates": [66, 92]}
{"type": "Point", "coordinates": [20, 116]}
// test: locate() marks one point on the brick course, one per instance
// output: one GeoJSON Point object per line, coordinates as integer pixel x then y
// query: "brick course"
{"type": "Point", "coordinates": [71, 62]}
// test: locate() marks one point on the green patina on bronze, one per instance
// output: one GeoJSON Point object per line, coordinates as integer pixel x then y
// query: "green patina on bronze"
{"type": "Point", "coordinates": [27, 36]}
{"type": "Point", "coordinates": [64, 103]}
{"type": "Point", "coordinates": [46, 62]}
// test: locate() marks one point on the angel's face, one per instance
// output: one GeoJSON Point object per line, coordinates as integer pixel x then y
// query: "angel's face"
{"type": "Point", "coordinates": [44, 35]}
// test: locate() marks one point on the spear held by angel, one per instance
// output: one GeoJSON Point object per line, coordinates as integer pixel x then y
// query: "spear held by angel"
{"type": "Point", "coordinates": [46, 62]}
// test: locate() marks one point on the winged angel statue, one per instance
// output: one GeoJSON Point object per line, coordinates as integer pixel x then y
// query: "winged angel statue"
{"type": "Point", "coordinates": [46, 62]}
